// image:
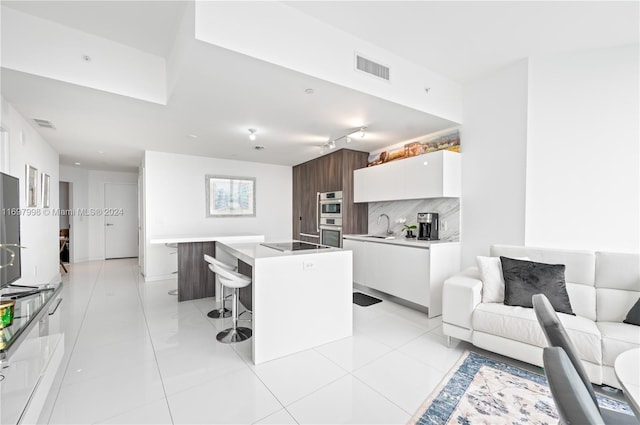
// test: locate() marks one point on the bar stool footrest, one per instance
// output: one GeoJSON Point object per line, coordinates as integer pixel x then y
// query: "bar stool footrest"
{"type": "Point", "coordinates": [219, 312]}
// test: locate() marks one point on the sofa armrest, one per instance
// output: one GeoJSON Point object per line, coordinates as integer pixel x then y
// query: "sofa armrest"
{"type": "Point", "coordinates": [461, 293]}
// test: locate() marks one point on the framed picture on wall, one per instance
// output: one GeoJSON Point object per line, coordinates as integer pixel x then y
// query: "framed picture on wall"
{"type": "Point", "coordinates": [46, 199]}
{"type": "Point", "coordinates": [31, 186]}
{"type": "Point", "coordinates": [230, 196]}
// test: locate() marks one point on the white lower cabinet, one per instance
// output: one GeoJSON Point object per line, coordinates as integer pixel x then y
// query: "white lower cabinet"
{"type": "Point", "coordinates": [414, 274]}
{"type": "Point", "coordinates": [359, 255]}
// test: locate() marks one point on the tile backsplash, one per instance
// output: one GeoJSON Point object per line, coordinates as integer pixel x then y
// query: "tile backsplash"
{"type": "Point", "coordinates": [448, 210]}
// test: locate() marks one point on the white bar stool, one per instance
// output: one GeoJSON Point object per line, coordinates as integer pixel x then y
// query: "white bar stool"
{"type": "Point", "coordinates": [234, 280]}
{"type": "Point", "coordinates": [221, 311]}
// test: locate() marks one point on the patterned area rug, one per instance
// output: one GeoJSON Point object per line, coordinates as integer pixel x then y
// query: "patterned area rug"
{"type": "Point", "coordinates": [479, 390]}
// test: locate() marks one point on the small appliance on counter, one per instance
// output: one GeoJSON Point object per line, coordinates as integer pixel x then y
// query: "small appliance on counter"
{"type": "Point", "coordinates": [428, 226]}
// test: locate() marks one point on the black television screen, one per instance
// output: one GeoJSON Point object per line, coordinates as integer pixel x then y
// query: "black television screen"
{"type": "Point", "coordinates": [9, 229]}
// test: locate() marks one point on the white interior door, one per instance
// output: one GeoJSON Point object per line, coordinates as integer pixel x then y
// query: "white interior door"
{"type": "Point", "coordinates": [121, 220]}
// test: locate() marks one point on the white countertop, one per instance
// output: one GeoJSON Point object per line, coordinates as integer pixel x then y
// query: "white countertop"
{"type": "Point", "coordinates": [397, 240]}
{"type": "Point", "coordinates": [219, 237]}
{"type": "Point", "coordinates": [249, 252]}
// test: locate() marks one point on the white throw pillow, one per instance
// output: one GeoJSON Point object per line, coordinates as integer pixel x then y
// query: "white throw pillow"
{"type": "Point", "coordinates": [492, 279]}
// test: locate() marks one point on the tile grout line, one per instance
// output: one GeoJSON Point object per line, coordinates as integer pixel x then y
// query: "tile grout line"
{"type": "Point", "coordinates": [360, 380]}
{"type": "Point", "coordinates": [137, 276]}
{"type": "Point", "coordinates": [136, 281]}
{"type": "Point", "coordinates": [75, 342]}
{"type": "Point", "coordinates": [347, 372]}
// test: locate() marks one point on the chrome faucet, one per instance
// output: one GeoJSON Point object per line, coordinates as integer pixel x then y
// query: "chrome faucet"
{"type": "Point", "coordinates": [389, 232]}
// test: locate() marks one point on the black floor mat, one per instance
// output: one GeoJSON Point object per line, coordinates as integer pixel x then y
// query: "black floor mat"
{"type": "Point", "coordinates": [364, 300]}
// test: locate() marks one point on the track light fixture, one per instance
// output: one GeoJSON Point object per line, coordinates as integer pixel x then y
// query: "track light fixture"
{"type": "Point", "coordinates": [346, 136]}
{"type": "Point", "coordinates": [252, 134]}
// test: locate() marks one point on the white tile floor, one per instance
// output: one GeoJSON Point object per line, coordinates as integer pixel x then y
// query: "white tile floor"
{"type": "Point", "coordinates": [136, 355]}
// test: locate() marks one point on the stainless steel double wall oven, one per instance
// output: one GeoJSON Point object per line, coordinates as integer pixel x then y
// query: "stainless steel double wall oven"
{"type": "Point", "coordinates": [330, 218]}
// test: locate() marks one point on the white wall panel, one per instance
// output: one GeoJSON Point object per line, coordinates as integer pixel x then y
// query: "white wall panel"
{"type": "Point", "coordinates": [583, 154]}
{"type": "Point", "coordinates": [493, 139]}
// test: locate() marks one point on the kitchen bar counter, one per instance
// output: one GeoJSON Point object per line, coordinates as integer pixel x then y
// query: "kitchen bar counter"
{"type": "Point", "coordinates": [195, 280]}
{"type": "Point", "coordinates": [301, 299]}
{"type": "Point", "coordinates": [222, 237]}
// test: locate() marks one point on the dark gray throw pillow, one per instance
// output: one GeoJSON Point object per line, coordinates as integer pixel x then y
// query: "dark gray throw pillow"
{"type": "Point", "coordinates": [524, 279]}
{"type": "Point", "coordinates": [633, 316]}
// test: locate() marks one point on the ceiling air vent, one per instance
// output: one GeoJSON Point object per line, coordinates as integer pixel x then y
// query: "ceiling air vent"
{"type": "Point", "coordinates": [44, 123]}
{"type": "Point", "coordinates": [372, 68]}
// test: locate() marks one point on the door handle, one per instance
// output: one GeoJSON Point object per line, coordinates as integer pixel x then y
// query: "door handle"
{"type": "Point", "coordinates": [318, 212]}
{"type": "Point", "coordinates": [109, 224]}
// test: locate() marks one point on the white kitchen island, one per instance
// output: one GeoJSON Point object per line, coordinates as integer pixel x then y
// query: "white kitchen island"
{"type": "Point", "coordinates": [301, 299]}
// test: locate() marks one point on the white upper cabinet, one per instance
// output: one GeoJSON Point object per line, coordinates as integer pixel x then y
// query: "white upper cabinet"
{"type": "Point", "coordinates": [433, 175]}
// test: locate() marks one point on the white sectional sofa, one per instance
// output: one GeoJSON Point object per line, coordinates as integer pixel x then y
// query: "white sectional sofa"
{"type": "Point", "coordinates": [602, 288]}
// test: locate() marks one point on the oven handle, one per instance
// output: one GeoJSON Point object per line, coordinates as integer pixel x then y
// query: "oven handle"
{"type": "Point", "coordinates": [309, 235]}
{"type": "Point", "coordinates": [331, 226]}
{"type": "Point", "coordinates": [318, 213]}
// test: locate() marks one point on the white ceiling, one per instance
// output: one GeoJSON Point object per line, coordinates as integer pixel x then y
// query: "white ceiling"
{"type": "Point", "coordinates": [466, 39]}
{"type": "Point", "coordinates": [220, 94]}
{"type": "Point", "coordinates": [146, 25]}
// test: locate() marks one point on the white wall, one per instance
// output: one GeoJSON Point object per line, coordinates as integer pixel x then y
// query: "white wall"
{"type": "Point", "coordinates": [87, 191]}
{"type": "Point", "coordinates": [175, 202]}
{"type": "Point", "coordinates": [551, 154]}
{"type": "Point", "coordinates": [583, 178]}
{"type": "Point", "coordinates": [39, 233]}
{"type": "Point", "coordinates": [493, 145]}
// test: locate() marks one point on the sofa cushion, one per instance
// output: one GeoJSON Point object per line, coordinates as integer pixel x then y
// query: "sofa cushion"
{"type": "Point", "coordinates": [492, 279]}
{"type": "Point", "coordinates": [614, 304]}
{"type": "Point", "coordinates": [618, 271]}
{"type": "Point", "coordinates": [520, 324]}
{"type": "Point", "coordinates": [580, 265]}
{"type": "Point", "coordinates": [633, 316]}
{"type": "Point", "coordinates": [523, 279]}
{"type": "Point", "coordinates": [616, 339]}
{"type": "Point", "coordinates": [583, 300]}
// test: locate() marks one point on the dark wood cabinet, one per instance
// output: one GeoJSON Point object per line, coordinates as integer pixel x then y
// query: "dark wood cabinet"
{"type": "Point", "coordinates": [328, 173]}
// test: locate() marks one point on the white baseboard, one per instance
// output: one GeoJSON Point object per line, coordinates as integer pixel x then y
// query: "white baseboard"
{"type": "Point", "coordinates": [157, 278]}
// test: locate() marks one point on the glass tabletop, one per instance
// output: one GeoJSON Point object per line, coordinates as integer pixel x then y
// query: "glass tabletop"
{"type": "Point", "coordinates": [293, 246]}
{"type": "Point", "coordinates": [29, 302]}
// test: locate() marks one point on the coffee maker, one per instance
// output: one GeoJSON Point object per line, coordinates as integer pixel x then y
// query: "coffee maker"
{"type": "Point", "coordinates": [428, 226]}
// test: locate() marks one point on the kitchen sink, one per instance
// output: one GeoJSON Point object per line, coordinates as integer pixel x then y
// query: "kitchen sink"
{"type": "Point", "coordinates": [379, 236]}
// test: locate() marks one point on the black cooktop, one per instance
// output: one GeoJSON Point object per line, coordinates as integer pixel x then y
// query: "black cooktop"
{"type": "Point", "coordinates": [293, 246]}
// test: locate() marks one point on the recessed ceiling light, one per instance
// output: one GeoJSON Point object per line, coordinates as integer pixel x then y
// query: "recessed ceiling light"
{"type": "Point", "coordinates": [77, 163]}
{"type": "Point", "coordinates": [193, 136]}
{"type": "Point", "coordinates": [252, 134]}
{"type": "Point", "coordinates": [309, 91]}
{"type": "Point", "coordinates": [100, 152]}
